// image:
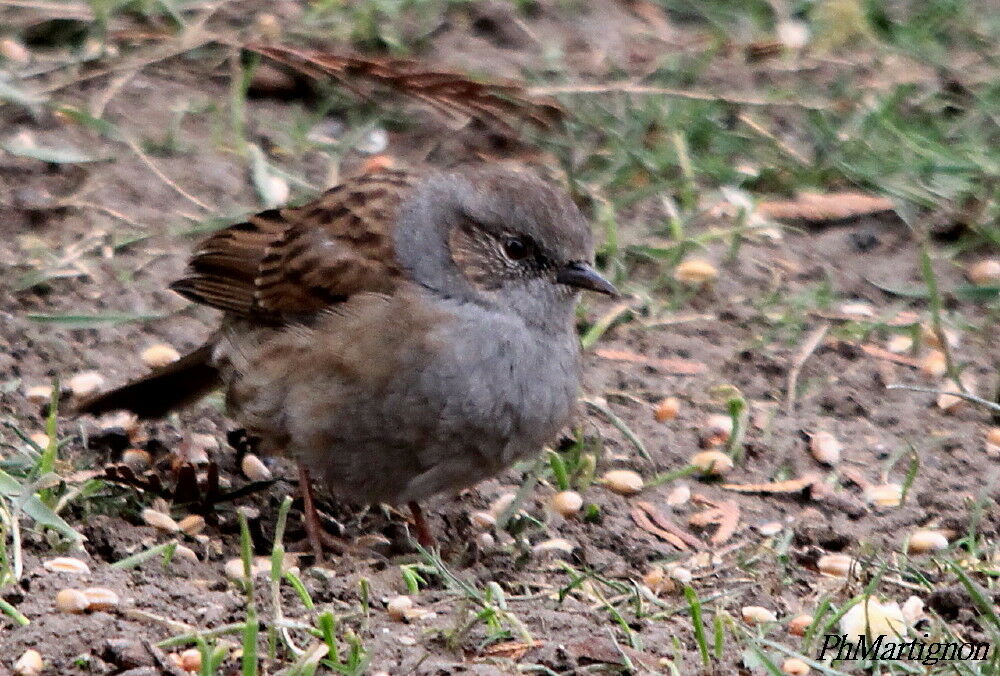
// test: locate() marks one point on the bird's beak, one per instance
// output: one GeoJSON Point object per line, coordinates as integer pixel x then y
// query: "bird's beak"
{"type": "Point", "coordinates": [583, 276]}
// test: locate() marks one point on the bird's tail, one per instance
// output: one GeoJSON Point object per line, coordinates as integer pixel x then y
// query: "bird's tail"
{"type": "Point", "coordinates": [167, 388]}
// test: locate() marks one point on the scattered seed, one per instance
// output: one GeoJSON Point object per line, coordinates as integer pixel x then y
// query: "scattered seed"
{"type": "Point", "coordinates": [623, 481]}
{"type": "Point", "coordinates": [40, 439]}
{"type": "Point", "coordinates": [797, 625]}
{"type": "Point", "coordinates": [931, 339]}
{"type": "Point", "coordinates": [793, 666]}
{"type": "Point", "coordinates": [712, 462]}
{"type": "Point", "coordinates": [86, 383]}
{"type": "Point", "coordinates": [137, 459]}
{"type": "Point", "coordinates": [39, 394]}
{"type": "Point", "coordinates": [14, 51]}
{"type": "Point", "coordinates": [654, 578]}
{"type": "Point", "coordinates": [825, 448]}
{"type": "Point", "coordinates": [667, 409]}
{"type": "Point", "coordinates": [29, 664]}
{"type": "Point", "coordinates": [486, 541]}
{"type": "Point", "coordinates": [67, 564]}
{"type": "Point", "coordinates": [259, 565]}
{"type": "Point", "coordinates": [835, 565]}
{"type": "Point", "coordinates": [770, 528]}
{"type": "Point", "coordinates": [857, 308]}
{"type": "Point", "coordinates": [500, 505]}
{"type": "Point", "coordinates": [913, 610]}
{"type": "Point", "coordinates": [160, 520]}
{"type": "Point", "coordinates": [267, 26]}
{"type": "Point", "coordinates": [253, 468]}
{"type": "Point", "coordinates": [159, 355]}
{"type": "Point", "coordinates": [984, 272]}
{"type": "Point", "coordinates": [793, 34]}
{"type": "Point", "coordinates": [398, 608]}
{"type": "Point", "coordinates": [949, 403]}
{"type": "Point", "coordinates": [716, 430]}
{"type": "Point", "coordinates": [682, 575]}
{"type": "Point", "coordinates": [71, 601]}
{"type": "Point", "coordinates": [186, 553]}
{"type": "Point", "coordinates": [190, 660]}
{"type": "Point", "coordinates": [993, 436]}
{"type": "Point", "coordinates": [923, 541]}
{"type": "Point", "coordinates": [695, 271]}
{"type": "Point", "coordinates": [679, 495]}
{"type": "Point", "coordinates": [934, 364]}
{"type": "Point", "coordinates": [482, 520]}
{"type": "Point", "coordinates": [872, 618]}
{"type": "Point", "coordinates": [899, 344]}
{"type": "Point", "coordinates": [100, 598]}
{"type": "Point", "coordinates": [757, 615]}
{"type": "Point", "coordinates": [566, 503]}
{"type": "Point", "coordinates": [192, 524]}
{"type": "Point", "coordinates": [554, 545]}
{"type": "Point", "coordinates": [885, 495]}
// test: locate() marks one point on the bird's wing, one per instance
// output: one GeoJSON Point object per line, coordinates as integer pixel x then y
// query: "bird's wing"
{"type": "Point", "coordinates": [285, 263]}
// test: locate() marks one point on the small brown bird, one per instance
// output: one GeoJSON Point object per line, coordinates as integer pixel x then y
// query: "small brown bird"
{"type": "Point", "coordinates": [402, 335]}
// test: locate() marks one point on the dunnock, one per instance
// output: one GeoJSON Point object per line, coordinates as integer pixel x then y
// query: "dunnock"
{"type": "Point", "coordinates": [402, 335]}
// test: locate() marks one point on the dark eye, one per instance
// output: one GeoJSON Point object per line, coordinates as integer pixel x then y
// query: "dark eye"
{"type": "Point", "coordinates": [515, 248]}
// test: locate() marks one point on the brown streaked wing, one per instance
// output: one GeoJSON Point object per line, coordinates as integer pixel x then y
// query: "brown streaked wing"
{"type": "Point", "coordinates": [301, 260]}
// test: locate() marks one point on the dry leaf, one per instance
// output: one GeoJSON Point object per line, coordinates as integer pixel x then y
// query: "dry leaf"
{"type": "Point", "coordinates": [647, 525]}
{"type": "Point", "coordinates": [881, 353]}
{"type": "Point", "coordinates": [816, 208]}
{"type": "Point", "coordinates": [657, 520]}
{"type": "Point", "coordinates": [679, 367]}
{"type": "Point", "coordinates": [602, 650]}
{"type": "Point", "coordinates": [786, 486]}
{"type": "Point", "coordinates": [726, 516]}
{"type": "Point", "coordinates": [511, 650]}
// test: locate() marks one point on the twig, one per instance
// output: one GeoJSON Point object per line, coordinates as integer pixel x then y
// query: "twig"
{"type": "Point", "coordinates": [632, 88]}
{"type": "Point", "coordinates": [961, 395]}
{"type": "Point", "coordinates": [812, 342]}
{"type": "Point", "coordinates": [163, 177]}
{"type": "Point", "coordinates": [762, 131]}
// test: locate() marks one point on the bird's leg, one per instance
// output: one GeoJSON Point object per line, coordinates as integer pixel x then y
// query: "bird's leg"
{"type": "Point", "coordinates": [314, 530]}
{"type": "Point", "coordinates": [424, 535]}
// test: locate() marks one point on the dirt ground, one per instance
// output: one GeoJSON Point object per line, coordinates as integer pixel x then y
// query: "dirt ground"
{"type": "Point", "coordinates": [112, 233]}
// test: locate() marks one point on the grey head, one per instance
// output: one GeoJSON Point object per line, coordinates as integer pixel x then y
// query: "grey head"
{"type": "Point", "coordinates": [501, 237]}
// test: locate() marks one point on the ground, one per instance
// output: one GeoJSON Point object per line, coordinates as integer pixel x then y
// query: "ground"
{"type": "Point", "coordinates": [127, 134]}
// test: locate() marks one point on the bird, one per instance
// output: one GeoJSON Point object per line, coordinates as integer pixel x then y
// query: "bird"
{"type": "Point", "coordinates": [408, 332]}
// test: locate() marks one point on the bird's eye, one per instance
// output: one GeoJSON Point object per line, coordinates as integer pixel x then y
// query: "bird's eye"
{"type": "Point", "coordinates": [515, 248]}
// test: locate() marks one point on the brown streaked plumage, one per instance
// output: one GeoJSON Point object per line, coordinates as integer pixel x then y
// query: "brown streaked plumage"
{"type": "Point", "coordinates": [402, 335]}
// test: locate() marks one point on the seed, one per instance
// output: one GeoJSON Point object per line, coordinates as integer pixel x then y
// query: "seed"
{"type": "Point", "coordinates": [923, 541]}
{"type": "Point", "coordinates": [500, 505]}
{"type": "Point", "coordinates": [137, 459]}
{"type": "Point", "coordinates": [934, 364]}
{"type": "Point", "coordinates": [623, 481]}
{"type": "Point", "coordinates": [825, 448]}
{"type": "Point", "coordinates": [253, 468]}
{"type": "Point", "coordinates": [86, 383]}
{"type": "Point", "coordinates": [949, 403]}
{"type": "Point", "coordinates": [192, 524]}
{"type": "Point", "coordinates": [857, 308]}
{"type": "Point", "coordinates": [71, 601]}
{"type": "Point", "coordinates": [695, 271]}
{"type": "Point", "coordinates": [717, 430]}
{"type": "Point", "coordinates": [267, 26]}
{"type": "Point", "coordinates": [682, 575]}
{"type": "Point", "coordinates": [654, 577]}
{"type": "Point", "coordinates": [186, 553]}
{"type": "Point", "coordinates": [899, 344]}
{"type": "Point", "coordinates": [793, 666]}
{"type": "Point", "coordinates": [566, 503]}
{"type": "Point", "coordinates": [793, 34]}
{"type": "Point", "coordinates": [798, 624]}
{"type": "Point", "coordinates": [399, 607]}
{"type": "Point", "coordinates": [770, 528]}
{"type": "Point", "coordinates": [993, 436]}
{"type": "Point", "coordinates": [913, 610]}
{"type": "Point", "coordinates": [556, 545]}
{"type": "Point", "coordinates": [159, 355]}
{"type": "Point", "coordinates": [39, 394]}
{"type": "Point", "coordinates": [835, 565]}
{"type": "Point", "coordinates": [679, 495]}
{"type": "Point", "coordinates": [14, 51]}
{"type": "Point", "coordinates": [100, 598]}
{"type": "Point", "coordinates": [29, 664]}
{"type": "Point", "coordinates": [667, 409]}
{"type": "Point", "coordinates": [712, 462]}
{"type": "Point", "coordinates": [67, 564]}
{"type": "Point", "coordinates": [482, 520]}
{"type": "Point", "coordinates": [40, 439]}
{"type": "Point", "coordinates": [190, 660]}
{"type": "Point", "coordinates": [872, 618]}
{"type": "Point", "coordinates": [160, 520]}
{"type": "Point", "coordinates": [757, 615]}
{"type": "Point", "coordinates": [984, 272]}
{"type": "Point", "coordinates": [885, 495]}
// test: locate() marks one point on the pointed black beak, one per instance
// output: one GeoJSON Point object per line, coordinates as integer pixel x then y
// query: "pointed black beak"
{"type": "Point", "coordinates": [583, 276]}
